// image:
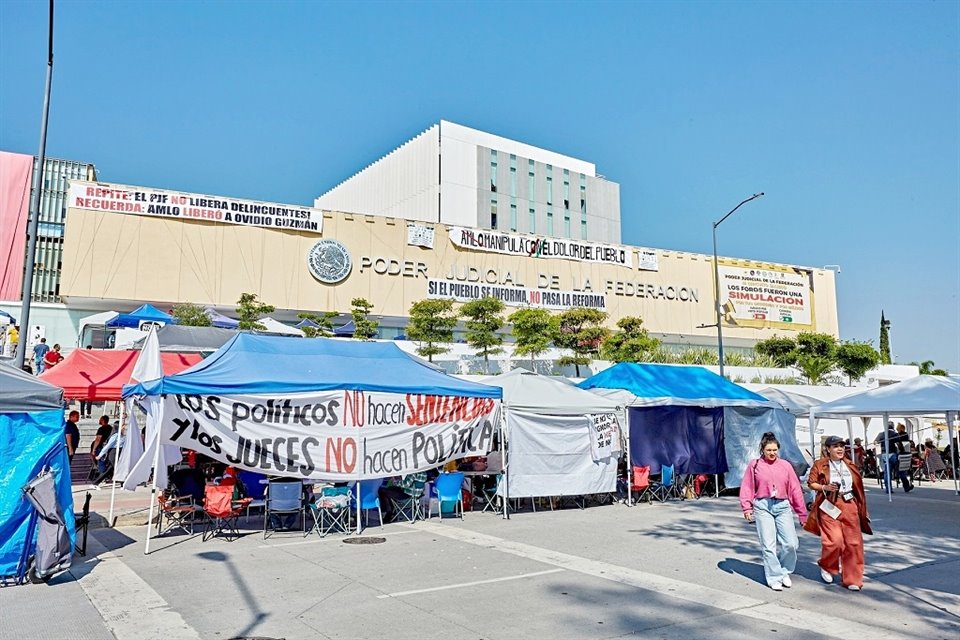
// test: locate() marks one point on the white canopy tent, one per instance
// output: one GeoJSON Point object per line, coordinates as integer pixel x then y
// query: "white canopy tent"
{"type": "Point", "coordinates": [919, 396]}
{"type": "Point", "coordinates": [549, 426]}
{"type": "Point", "coordinates": [278, 328]}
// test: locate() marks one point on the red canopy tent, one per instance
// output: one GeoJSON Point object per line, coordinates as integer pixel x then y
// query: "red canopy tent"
{"type": "Point", "coordinates": [86, 374]}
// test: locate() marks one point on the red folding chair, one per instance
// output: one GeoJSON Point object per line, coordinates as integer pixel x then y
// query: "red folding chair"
{"type": "Point", "coordinates": [640, 484]}
{"type": "Point", "coordinates": [223, 511]}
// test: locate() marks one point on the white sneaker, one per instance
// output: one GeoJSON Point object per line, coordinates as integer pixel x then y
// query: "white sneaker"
{"type": "Point", "coordinates": [853, 587]}
{"type": "Point", "coordinates": [826, 576]}
{"type": "Point", "coordinates": [787, 582]}
{"type": "Point", "coordinates": [776, 586]}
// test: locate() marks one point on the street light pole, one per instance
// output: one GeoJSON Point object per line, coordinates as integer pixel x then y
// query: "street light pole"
{"type": "Point", "coordinates": [716, 279]}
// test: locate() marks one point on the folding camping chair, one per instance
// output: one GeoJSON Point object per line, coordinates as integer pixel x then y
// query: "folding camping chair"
{"type": "Point", "coordinates": [666, 487]}
{"type": "Point", "coordinates": [489, 495]}
{"type": "Point", "coordinates": [179, 512]}
{"type": "Point", "coordinates": [411, 503]}
{"type": "Point", "coordinates": [223, 512]}
{"type": "Point", "coordinates": [283, 498]}
{"type": "Point", "coordinates": [256, 490]}
{"type": "Point", "coordinates": [331, 511]}
{"type": "Point", "coordinates": [640, 484]}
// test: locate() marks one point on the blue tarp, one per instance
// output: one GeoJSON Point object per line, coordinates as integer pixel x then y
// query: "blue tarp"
{"type": "Point", "coordinates": [249, 364]}
{"type": "Point", "coordinates": [28, 442]}
{"type": "Point", "coordinates": [673, 385]}
{"type": "Point", "coordinates": [345, 330]}
{"type": "Point", "coordinates": [144, 313]}
{"type": "Point", "coordinates": [219, 320]}
{"type": "Point", "coordinates": [689, 438]}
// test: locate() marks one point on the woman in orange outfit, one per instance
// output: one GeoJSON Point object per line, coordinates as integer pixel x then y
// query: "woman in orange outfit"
{"type": "Point", "coordinates": [838, 482]}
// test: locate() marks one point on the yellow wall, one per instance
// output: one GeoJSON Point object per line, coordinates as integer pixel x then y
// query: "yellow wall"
{"type": "Point", "coordinates": [138, 258]}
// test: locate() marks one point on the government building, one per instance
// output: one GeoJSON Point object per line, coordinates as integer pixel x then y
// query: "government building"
{"type": "Point", "coordinates": [454, 213]}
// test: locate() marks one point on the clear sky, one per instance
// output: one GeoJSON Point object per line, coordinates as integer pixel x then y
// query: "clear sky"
{"type": "Point", "coordinates": [847, 114]}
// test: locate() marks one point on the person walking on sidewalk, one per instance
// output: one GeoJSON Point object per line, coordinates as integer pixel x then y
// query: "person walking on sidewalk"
{"type": "Point", "coordinates": [770, 494]}
{"type": "Point", "coordinates": [839, 515]}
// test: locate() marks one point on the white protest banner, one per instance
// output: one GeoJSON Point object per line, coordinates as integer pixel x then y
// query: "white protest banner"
{"type": "Point", "coordinates": [419, 235]}
{"type": "Point", "coordinates": [647, 260]}
{"type": "Point", "coordinates": [758, 295]}
{"type": "Point", "coordinates": [515, 296]}
{"type": "Point", "coordinates": [604, 435]}
{"type": "Point", "coordinates": [334, 435]}
{"type": "Point", "coordinates": [512, 244]}
{"type": "Point", "coordinates": [142, 201]}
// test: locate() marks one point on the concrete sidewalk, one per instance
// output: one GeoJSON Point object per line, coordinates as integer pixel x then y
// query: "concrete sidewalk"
{"type": "Point", "coordinates": [675, 570]}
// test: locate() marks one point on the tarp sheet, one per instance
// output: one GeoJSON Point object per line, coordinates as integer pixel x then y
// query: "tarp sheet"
{"type": "Point", "coordinates": [288, 366]}
{"type": "Point", "coordinates": [28, 442]}
{"type": "Point", "coordinates": [219, 320]}
{"type": "Point", "coordinates": [689, 438]}
{"type": "Point", "coordinates": [22, 392]}
{"type": "Point", "coordinates": [174, 337]}
{"type": "Point", "coordinates": [532, 393]}
{"type": "Point", "coordinates": [742, 430]}
{"type": "Point", "coordinates": [645, 385]}
{"type": "Point", "coordinates": [922, 395]}
{"type": "Point", "coordinates": [550, 456]}
{"type": "Point", "coordinates": [90, 374]}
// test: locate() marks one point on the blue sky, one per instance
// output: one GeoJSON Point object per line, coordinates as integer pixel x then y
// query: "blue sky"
{"type": "Point", "coordinates": [847, 114]}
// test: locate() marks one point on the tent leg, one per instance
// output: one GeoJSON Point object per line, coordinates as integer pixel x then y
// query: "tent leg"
{"type": "Point", "coordinates": [506, 467]}
{"type": "Point", "coordinates": [813, 440]}
{"type": "Point", "coordinates": [153, 493]}
{"type": "Point", "coordinates": [626, 424]}
{"type": "Point", "coordinates": [953, 453]}
{"type": "Point", "coordinates": [887, 468]}
{"type": "Point", "coordinates": [716, 485]}
{"type": "Point", "coordinates": [116, 462]}
{"type": "Point", "coordinates": [853, 453]}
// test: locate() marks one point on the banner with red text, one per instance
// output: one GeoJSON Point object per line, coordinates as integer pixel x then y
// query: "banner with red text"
{"type": "Point", "coordinates": [143, 201]}
{"type": "Point", "coordinates": [334, 435]}
{"type": "Point", "coordinates": [758, 295]}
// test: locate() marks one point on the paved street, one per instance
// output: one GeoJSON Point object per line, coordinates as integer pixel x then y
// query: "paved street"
{"type": "Point", "coordinates": [676, 570]}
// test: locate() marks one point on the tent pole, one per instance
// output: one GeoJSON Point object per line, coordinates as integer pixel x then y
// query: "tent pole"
{"type": "Point", "coordinates": [153, 491]}
{"type": "Point", "coordinates": [953, 453]}
{"type": "Point", "coordinates": [503, 461]}
{"type": "Point", "coordinates": [853, 452]}
{"type": "Point", "coordinates": [363, 445]}
{"type": "Point", "coordinates": [116, 461]}
{"type": "Point", "coordinates": [887, 470]}
{"type": "Point", "coordinates": [813, 435]}
{"type": "Point", "coordinates": [626, 424]}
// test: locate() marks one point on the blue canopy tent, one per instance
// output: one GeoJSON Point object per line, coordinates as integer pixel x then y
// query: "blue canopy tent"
{"type": "Point", "coordinates": [143, 313]}
{"type": "Point", "coordinates": [252, 364]}
{"type": "Point", "coordinates": [693, 418]}
{"type": "Point", "coordinates": [219, 320]}
{"type": "Point", "coordinates": [346, 330]}
{"type": "Point", "coordinates": [31, 439]}
{"type": "Point", "coordinates": [307, 322]}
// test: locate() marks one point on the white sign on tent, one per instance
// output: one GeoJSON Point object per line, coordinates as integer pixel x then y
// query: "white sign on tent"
{"type": "Point", "coordinates": [604, 435]}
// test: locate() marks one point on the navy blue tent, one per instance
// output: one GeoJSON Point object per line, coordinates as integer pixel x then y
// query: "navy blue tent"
{"type": "Point", "coordinates": [219, 320]}
{"type": "Point", "coordinates": [346, 330]}
{"type": "Point", "coordinates": [250, 363]}
{"type": "Point", "coordinates": [144, 313]}
{"type": "Point", "coordinates": [307, 322]}
{"type": "Point", "coordinates": [677, 415]}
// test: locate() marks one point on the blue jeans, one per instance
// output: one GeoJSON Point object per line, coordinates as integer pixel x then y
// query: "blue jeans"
{"type": "Point", "coordinates": [775, 526]}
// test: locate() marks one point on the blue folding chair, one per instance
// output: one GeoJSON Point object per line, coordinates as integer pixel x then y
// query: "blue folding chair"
{"type": "Point", "coordinates": [663, 489]}
{"type": "Point", "coordinates": [449, 488]}
{"type": "Point", "coordinates": [369, 499]}
{"type": "Point", "coordinates": [256, 490]}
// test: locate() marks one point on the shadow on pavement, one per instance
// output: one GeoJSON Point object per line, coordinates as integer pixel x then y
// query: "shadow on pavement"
{"type": "Point", "coordinates": [239, 584]}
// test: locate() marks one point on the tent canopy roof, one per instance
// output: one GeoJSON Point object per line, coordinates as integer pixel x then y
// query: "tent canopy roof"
{"type": "Point", "coordinates": [530, 392]}
{"type": "Point", "coordinates": [219, 320]}
{"type": "Point", "coordinates": [648, 385]}
{"type": "Point", "coordinates": [183, 339]}
{"type": "Point", "coordinates": [922, 395]}
{"type": "Point", "coordinates": [143, 313]}
{"type": "Point", "coordinates": [274, 326]}
{"type": "Point", "coordinates": [21, 392]}
{"type": "Point", "coordinates": [797, 404]}
{"type": "Point", "coordinates": [250, 364]}
{"type": "Point", "coordinates": [100, 374]}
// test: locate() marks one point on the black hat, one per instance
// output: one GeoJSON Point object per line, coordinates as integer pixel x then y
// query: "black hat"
{"type": "Point", "coordinates": [832, 440]}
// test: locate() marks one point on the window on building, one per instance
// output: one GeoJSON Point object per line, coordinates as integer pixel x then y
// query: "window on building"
{"type": "Point", "coordinates": [493, 170]}
{"type": "Point", "coordinates": [493, 213]}
{"type": "Point", "coordinates": [533, 220]}
{"type": "Point", "coordinates": [583, 229]}
{"type": "Point", "coordinates": [513, 215]}
{"type": "Point", "coordinates": [549, 189]}
{"type": "Point", "coordinates": [549, 220]}
{"type": "Point", "coordinates": [566, 226]}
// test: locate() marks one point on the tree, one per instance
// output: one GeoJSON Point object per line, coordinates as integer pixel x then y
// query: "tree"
{"type": "Point", "coordinates": [580, 330]}
{"type": "Point", "coordinates": [363, 327]}
{"type": "Point", "coordinates": [926, 369]}
{"type": "Point", "coordinates": [250, 310]}
{"type": "Point", "coordinates": [631, 344]}
{"type": "Point", "coordinates": [533, 329]}
{"type": "Point", "coordinates": [484, 321]}
{"type": "Point", "coordinates": [782, 350]}
{"type": "Point", "coordinates": [190, 315]}
{"type": "Point", "coordinates": [431, 323]}
{"type": "Point", "coordinates": [884, 340]}
{"type": "Point", "coordinates": [324, 328]}
{"type": "Point", "coordinates": [697, 355]}
{"type": "Point", "coordinates": [816, 355]}
{"type": "Point", "coordinates": [856, 358]}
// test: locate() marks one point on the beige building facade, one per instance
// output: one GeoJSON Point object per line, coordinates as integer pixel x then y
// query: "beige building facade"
{"type": "Point", "coordinates": [304, 260]}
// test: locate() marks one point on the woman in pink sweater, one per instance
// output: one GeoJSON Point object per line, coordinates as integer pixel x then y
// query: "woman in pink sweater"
{"type": "Point", "coordinates": [770, 488]}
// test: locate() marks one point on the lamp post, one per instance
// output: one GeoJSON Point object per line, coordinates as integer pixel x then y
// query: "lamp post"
{"type": "Point", "coordinates": [716, 279]}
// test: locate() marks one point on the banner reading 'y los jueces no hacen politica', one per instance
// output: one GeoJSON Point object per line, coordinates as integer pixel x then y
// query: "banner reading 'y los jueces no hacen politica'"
{"type": "Point", "coordinates": [335, 435]}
